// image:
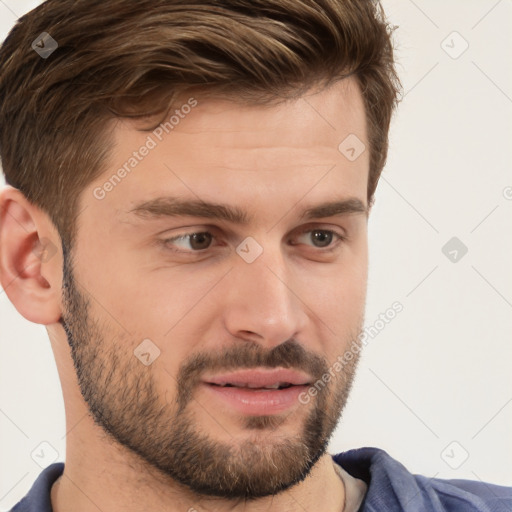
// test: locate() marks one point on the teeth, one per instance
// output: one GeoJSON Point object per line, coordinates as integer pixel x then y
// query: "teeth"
{"type": "Point", "coordinates": [277, 385]}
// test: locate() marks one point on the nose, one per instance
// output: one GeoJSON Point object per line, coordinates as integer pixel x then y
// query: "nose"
{"type": "Point", "coordinates": [263, 300]}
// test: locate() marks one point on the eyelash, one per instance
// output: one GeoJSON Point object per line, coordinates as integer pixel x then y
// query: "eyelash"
{"type": "Point", "coordinates": [167, 241]}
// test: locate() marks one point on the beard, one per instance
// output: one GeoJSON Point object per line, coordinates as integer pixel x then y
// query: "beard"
{"type": "Point", "coordinates": [123, 399]}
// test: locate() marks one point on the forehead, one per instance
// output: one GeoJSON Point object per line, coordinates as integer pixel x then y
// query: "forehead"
{"type": "Point", "coordinates": [207, 149]}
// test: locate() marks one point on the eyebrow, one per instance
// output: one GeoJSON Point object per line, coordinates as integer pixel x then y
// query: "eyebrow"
{"type": "Point", "coordinates": [176, 207]}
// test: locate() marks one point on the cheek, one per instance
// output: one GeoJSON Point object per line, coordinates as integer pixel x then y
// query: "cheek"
{"type": "Point", "coordinates": [338, 303]}
{"type": "Point", "coordinates": [341, 288]}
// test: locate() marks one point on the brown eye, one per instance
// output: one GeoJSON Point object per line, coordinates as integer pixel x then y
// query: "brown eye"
{"type": "Point", "coordinates": [321, 238]}
{"type": "Point", "coordinates": [199, 241]}
{"type": "Point", "coordinates": [190, 242]}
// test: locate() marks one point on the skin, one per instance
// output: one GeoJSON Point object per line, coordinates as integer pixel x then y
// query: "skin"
{"type": "Point", "coordinates": [295, 305]}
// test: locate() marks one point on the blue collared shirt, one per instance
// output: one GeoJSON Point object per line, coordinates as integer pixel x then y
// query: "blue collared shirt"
{"type": "Point", "coordinates": [391, 488]}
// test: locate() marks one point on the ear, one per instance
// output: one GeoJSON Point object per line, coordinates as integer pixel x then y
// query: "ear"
{"type": "Point", "coordinates": [30, 258]}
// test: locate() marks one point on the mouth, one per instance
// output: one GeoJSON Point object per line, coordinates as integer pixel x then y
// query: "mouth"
{"type": "Point", "coordinates": [257, 392]}
{"type": "Point", "coordinates": [277, 385]}
{"type": "Point", "coordinates": [262, 378]}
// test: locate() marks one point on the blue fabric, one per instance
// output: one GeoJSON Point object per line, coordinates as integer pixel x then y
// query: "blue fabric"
{"type": "Point", "coordinates": [38, 498]}
{"type": "Point", "coordinates": [391, 488]}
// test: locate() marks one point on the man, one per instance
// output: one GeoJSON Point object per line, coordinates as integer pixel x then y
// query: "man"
{"type": "Point", "coordinates": [189, 185]}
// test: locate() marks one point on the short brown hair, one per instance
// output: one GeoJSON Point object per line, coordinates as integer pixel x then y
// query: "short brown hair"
{"type": "Point", "coordinates": [133, 58]}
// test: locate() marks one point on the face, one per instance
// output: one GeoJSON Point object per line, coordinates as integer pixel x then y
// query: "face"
{"type": "Point", "coordinates": [232, 251]}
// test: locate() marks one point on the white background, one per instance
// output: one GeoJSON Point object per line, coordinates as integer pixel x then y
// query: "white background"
{"type": "Point", "coordinates": [434, 385]}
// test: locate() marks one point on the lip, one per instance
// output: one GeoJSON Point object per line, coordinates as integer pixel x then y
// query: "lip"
{"type": "Point", "coordinates": [258, 378]}
{"type": "Point", "coordinates": [252, 400]}
{"type": "Point", "coordinates": [255, 402]}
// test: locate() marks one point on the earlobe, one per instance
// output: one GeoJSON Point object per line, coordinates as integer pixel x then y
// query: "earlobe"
{"type": "Point", "coordinates": [29, 258]}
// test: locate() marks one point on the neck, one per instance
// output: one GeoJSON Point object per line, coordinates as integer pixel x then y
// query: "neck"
{"type": "Point", "coordinates": [92, 484]}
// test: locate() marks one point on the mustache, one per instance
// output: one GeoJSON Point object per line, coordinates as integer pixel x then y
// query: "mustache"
{"type": "Point", "coordinates": [289, 354]}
